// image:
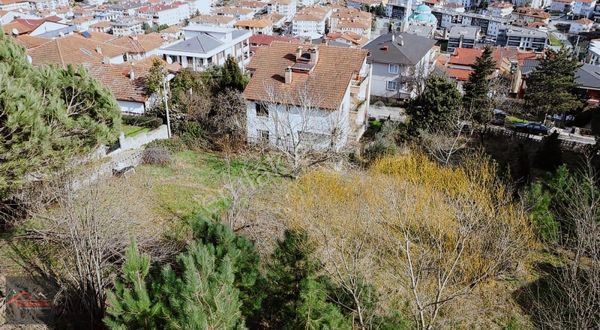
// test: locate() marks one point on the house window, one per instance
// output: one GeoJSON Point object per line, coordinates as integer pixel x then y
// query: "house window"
{"type": "Point", "coordinates": [261, 110]}
{"type": "Point", "coordinates": [263, 136]}
{"type": "Point", "coordinates": [391, 86]}
{"type": "Point", "coordinates": [394, 68]}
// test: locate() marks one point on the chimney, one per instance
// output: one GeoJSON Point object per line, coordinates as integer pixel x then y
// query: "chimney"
{"type": "Point", "coordinates": [288, 75]}
{"type": "Point", "coordinates": [105, 60]}
{"type": "Point", "coordinates": [393, 37]}
{"type": "Point", "coordinates": [98, 50]}
{"type": "Point", "coordinates": [131, 74]}
{"type": "Point", "coordinates": [314, 55]}
{"type": "Point", "coordinates": [298, 52]}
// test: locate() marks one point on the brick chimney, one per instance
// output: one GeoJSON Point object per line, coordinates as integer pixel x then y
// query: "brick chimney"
{"type": "Point", "coordinates": [314, 55]}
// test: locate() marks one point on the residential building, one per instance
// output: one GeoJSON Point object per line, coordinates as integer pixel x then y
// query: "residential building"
{"type": "Point", "coordinates": [500, 9]}
{"type": "Point", "coordinates": [34, 27]}
{"type": "Point", "coordinates": [584, 8]}
{"type": "Point", "coordinates": [263, 40]}
{"type": "Point", "coordinates": [488, 24]}
{"type": "Point", "coordinates": [535, 4]}
{"type": "Point", "coordinates": [581, 25]}
{"type": "Point", "coordinates": [346, 39]}
{"type": "Point", "coordinates": [593, 52]}
{"type": "Point", "coordinates": [312, 97]}
{"type": "Point", "coordinates": [140, 46]}
{"type": "Point", "coordinates": [171, 14]}
{"type": "Point", "coordinates": [398, 9]}
{"type": "Point", "coordinates": [16, 5]}
{"type": "Point", "coordinates": [522, 38]}
{"type": "Point", "coordinates": [102, 26]}
{"type": "Point", "coordinates": [311, 22]}
{"type": "Point", "coordinates": [75, 49]}
{"type": "Point", "coordinates": [287, 8]}
{"type": "Point", "coordinates": [351, 20]}
{"type": "Point", "coordinates": [562, 6]}
{"type": "Point", "coordinates": [9, 16]}
{"type": "Point", "coordinates": [462, 37]}
{"type": "Point", "coordinates": [127, 27]}
{"type": "Point", "coordinates": [206, 46]}
{"type": "Point", "coordinates": [398, 59]}
{"type": "Point", "coordinates": [237, 12]}
{"type": "Point", "coordinates": [214, 20]}
{"type": "Point", "coordinates": [256, 26]}
{"type": "Point", "coordinates": [41, 5]}
{"type": "Point", "coordinates": [525, 16]}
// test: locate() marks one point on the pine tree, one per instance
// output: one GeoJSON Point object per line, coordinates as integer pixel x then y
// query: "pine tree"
{"type": "Point", "coordinates": [231, 76]}
{"type": "Point", "coordinates": [224, 243]}
{"type": "Point", "coordinates": [49, 116]}
{"type": "Point", "coordinates": [292, 262]}
{"type": "Point", "coordinates": [477, 89]}
{"type": "Point", "coordinates": [436, 106]}
{"type": "Point", "coordinates": [551, 86]}
{"type": "Point", "coordinates": [315, 312]}
{"type": "Point", "coordinates": [202, 294]}
{"type": "Point", "coordinates": [132, 304]}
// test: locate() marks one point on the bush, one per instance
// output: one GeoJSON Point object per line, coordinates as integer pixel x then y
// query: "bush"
{"type": "Point", "coordinates": [156, 156]}
{"type": "Point", "coordinates": [174, 144]}
{"type": "Point", "coordinates": [143, 121]}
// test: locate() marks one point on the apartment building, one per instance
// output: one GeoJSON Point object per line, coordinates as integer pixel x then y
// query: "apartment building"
{"type": "Point", "coordinates": [311, 22]}
{"type": "Point", "coordinates": [522, 38]}
{"type": "Point", "coordinates": [462, 37]}
{"type": "Point", "coordinates": [287, 8]}
{"type": "Point", "coordinates": [171, 14]}
{"type": "Point", "coordinates": [127, 27]}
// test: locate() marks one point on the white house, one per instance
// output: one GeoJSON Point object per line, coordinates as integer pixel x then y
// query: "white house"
{"type": "Point", "coordinates": [581, 25]}
{"type": "Point", "coordinates": [127, 27]}
{"type": "Point", "coordinates": [172, 14]}
{"type": "Point", "coordinates": [9, 16]}
{"type": "Point", "coordinates": [593, 53]}
{"type": "Point", "coordinates": [205, 46]}
{"type": "Point", "coordinates": [311, 22]}
{"type": "Point", "coordinates": [287, 8]}
{"type": "Point", "coordinates": [313, 97]}
{"type": "Point", "coordinates": [500, 9]}
{"type": "Point", "coordinates": [398, 59]}
{"type": "Point", "coordinates": [17, 5]}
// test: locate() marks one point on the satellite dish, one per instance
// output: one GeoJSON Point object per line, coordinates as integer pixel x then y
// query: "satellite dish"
{"type": "Point", "coordinates": [15, 32]}
{"type": "Point", "coordinates": [169, 60]}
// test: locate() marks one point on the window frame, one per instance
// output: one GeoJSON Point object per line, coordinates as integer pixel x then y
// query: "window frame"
{"type": "Point", "coordinates": [387, 85]}
{"type": "Point", "coordinates": [392, 65]}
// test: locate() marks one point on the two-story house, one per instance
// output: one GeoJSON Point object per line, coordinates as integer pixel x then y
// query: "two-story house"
{"type": "Point", "coordinates": [205, 46]}
{"type": "Point", "coordinates": [398, 60]}
{"type": "Point", "coordinates": [307, 96]}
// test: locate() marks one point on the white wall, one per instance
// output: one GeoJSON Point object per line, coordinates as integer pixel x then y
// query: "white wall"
{"type": "Point", "coordinates": [131, 107]}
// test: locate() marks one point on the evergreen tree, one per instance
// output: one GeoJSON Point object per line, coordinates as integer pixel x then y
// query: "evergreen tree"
{"type": "Point", "coordinates": [132, 304]}
{"type": "Point", "coordinates": [477, 89]}
{"type": "Point", "coordinates": [549, 155]}
{"type": "Point", "coordinates": [49, 115]}
{"type": "Point", "coordinates": [231, 76]}
{"type": "Point", "coordinates": [542, 219]}
{"type": "Point", "coordinates": [201, 294]}
{"type": "Point", "coordinates": [436, 106]}
{"type": "Point", "coordinates": [292, 263]}
{"type": "Point", "coordinates": [551, 86]}
{"type": "Point", "coordinates": [315, 312]}
{"type": "Point", "coordinates": [224, 243]}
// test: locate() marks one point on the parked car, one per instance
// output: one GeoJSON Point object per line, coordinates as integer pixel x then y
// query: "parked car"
{"type": "Point", "coordinates": [531, 128]}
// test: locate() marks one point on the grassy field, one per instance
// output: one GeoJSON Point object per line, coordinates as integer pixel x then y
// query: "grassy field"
{"type": "Point", "coordinates": [198, 181]}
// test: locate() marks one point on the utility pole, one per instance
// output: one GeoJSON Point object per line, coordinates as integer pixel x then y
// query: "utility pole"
{"type": "Point", "coordinates": [165, 96]}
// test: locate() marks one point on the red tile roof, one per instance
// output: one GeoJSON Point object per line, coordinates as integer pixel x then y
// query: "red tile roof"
{"type": "Point", "coordinates": [326, 83]}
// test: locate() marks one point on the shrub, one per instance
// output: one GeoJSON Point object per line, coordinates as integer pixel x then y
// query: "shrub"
{"type": "Point", "coordinates": [174, 144]}
{"type": "Point", "coordinates": [156, 156]}
{"type": "Point", "coordinates": [144, 121]}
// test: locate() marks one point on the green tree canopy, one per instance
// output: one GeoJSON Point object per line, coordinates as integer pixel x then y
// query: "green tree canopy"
{"type": "Point", "coordinates": [436, 106]}
{"type": "Point", "coordinates": [48, 115]}
{"type": "Point", "coordinates": [551, 86]}
{"type": "Point", "coordinates": [477, 98]}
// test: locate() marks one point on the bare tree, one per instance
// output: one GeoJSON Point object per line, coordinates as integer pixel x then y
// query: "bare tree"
{"type": "Point", "coordinates": [77, 244]}
{"type": "Point", "coordinates": [568, 297]}
{"type": "Point", "coordinates": [300, 129]}
{"type": "Point", "coordinates": [444, 143]}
